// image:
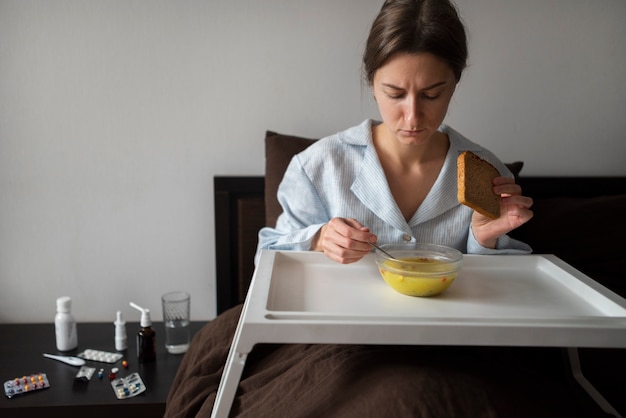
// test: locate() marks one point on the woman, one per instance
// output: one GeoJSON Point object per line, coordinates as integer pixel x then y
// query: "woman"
{"type": "Point", "coordinates": [396, 180]}
{"type": "Point", "coordinates": [384, 182]}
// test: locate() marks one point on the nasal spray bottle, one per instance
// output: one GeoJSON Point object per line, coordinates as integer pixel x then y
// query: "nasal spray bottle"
{"type": "Point", "coordinates": [146, 337]}
{"type": "Point", "coordinates": [121, 342]}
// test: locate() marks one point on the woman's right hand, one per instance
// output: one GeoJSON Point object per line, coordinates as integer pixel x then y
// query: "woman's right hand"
{"type": "Point", "coordinates": [343, 240]}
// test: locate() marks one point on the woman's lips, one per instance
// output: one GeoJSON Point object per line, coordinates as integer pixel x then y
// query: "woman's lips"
{"type": "Point", "coordinates": [410, 132]}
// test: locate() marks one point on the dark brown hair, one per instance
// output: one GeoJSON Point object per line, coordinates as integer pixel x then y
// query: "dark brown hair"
{"type": "Point", "coordinates": [414, 26]}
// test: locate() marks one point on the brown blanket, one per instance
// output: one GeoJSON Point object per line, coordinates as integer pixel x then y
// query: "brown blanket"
{"type": "Point", "coordinates": [375, 381]}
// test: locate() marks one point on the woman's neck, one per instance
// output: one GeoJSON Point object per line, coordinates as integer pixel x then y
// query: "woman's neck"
{"type": "Point", "coordinates": [393, 151]}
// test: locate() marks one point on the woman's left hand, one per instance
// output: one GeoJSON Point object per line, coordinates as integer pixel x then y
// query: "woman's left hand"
{"type": "Point", "coordinates": [514, 212]}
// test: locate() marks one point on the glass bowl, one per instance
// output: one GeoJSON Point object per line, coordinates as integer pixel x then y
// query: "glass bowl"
{"type": "Point", "coordinates": [419, 269]}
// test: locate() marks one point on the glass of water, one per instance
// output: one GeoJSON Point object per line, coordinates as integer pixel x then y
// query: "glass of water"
{"type": "Point", "coordinates": [176, 319]}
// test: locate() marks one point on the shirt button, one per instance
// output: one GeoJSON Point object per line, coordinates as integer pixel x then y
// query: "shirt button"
{"type": "Point", "coordinates": [407, 237]}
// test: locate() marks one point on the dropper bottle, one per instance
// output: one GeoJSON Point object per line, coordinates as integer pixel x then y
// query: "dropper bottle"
{"type": "Point", "coordinates": [146, 337]}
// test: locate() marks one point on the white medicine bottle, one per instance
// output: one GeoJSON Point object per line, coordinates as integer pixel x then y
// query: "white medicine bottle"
{"type": "Point", "coordinates": [65, 325]}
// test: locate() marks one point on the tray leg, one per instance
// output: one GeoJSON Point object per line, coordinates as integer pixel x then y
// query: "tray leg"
{"type": "Point", "coordinates": [229, 383]}
{"type": "Point", "coordinates": [574, 363]}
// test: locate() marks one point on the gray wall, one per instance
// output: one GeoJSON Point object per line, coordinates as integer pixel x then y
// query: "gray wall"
{"type": "Point", "coordinates": [116, 115]}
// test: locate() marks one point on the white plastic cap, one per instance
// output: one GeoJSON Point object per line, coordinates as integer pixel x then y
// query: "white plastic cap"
{"type": "Point", "coordinates": [119, 320]}
{"type": "Point", "coordinates": [64, 304]}
{"type": "Point", "coordinates": [145, 318]}
{"type": "Point", "coordinates": [145, 315]}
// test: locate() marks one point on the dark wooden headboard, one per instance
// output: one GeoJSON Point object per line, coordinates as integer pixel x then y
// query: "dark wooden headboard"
{"type": "Point", "coordinates": [240, 213]}
{"type": "Point", "coordinates": [545, 187]}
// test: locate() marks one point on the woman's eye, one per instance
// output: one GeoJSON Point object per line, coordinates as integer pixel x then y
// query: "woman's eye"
{"type": "Point", "coordinates": [395, 96]}
{"type": "Point", "coordinates": [402, 95]}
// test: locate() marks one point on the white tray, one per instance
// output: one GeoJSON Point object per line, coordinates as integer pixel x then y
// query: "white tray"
{"type": "Point", "coordinates": [530, 300]}
{"type": "Point", "coordinates": [520, 300]}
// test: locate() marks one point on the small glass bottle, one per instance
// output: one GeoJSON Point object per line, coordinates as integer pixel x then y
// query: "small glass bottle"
{"type": "Point", "coordinates": [65, 325]}
{"type": "Point", "coordinates": [146, 337]}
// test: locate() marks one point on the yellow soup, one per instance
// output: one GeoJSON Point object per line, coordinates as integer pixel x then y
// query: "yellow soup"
{"type": "Point", "coordinates": [407, 280]}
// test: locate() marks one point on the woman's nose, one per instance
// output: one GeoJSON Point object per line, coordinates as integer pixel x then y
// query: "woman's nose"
{"type": "Point", "coordinates": [413, 111]}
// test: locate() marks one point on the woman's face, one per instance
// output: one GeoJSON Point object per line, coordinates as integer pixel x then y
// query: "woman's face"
{"type": "Point", "coordinates": [413, 92]}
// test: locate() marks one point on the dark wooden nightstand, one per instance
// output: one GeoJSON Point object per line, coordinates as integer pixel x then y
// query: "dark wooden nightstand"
{"type": "Point", "coordinates": [21, 353]}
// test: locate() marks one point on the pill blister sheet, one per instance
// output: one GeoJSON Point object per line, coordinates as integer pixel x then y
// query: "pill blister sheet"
{"type": "Point", "coordinates": [85, 373]}
{"type": "Point", "coordinates": [26, 384]}
{"type": "Point", "coordinates": [101, 356]}
{"type": "Point", "coordinates": [128, 386]}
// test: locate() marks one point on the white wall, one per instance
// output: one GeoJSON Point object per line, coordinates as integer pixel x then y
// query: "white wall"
{"type": "Point", "coordinates": [116, 115]}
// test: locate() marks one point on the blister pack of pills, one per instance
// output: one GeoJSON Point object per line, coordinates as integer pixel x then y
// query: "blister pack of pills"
{"type": "Point", "coordinates": [101, 356]}
{"type": "Point", "coordinates": [85, 373]}
{"type": "Point", "coordinates": [26, 384]}
{"type": "Point", "coordinates": [129, 386]}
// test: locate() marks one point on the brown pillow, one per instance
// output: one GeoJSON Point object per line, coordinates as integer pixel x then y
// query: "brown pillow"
{"type": "Point", "coordinates": [279, 149]}
{"type": "Point", "coordinates": [515, 167]}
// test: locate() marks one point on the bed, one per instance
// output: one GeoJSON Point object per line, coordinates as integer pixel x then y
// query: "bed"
{"type": "Point", "coordinates": [358, 381]}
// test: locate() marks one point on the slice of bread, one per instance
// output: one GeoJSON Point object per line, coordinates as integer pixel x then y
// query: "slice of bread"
{"type": "Point", "coordinates": [475, 183]}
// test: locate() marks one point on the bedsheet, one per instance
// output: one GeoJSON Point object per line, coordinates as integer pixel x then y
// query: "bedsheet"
{"type": "Point", "coordinates": [330, 380]}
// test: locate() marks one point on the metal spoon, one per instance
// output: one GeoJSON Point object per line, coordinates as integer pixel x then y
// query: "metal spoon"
{"type": "Point", "coordinates": [72, 361]}
{"type": "Point", "coordinates": [383, 251]}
